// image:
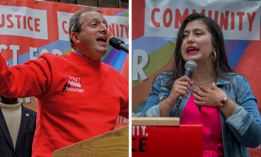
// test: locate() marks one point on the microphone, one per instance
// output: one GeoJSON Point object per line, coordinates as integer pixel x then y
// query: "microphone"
{"type": "Point", "coordinates": [190, 66]}
{"type": "Point", "coordinates": [118, 44]}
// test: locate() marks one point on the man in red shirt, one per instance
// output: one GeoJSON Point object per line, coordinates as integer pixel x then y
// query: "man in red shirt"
{"type": "Point", "coordinates": [78, 96]}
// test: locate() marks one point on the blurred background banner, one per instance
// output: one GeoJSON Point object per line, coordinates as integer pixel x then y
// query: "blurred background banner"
{"type": "Point", "coordinates": [154, 29]}
{"type": "Point", "coordinates": [30, 28]}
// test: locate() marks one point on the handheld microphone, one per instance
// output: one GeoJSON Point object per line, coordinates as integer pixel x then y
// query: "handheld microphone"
{"type": "Point", "coordinates": [190, 66]}
{"type": "Point", "coordinates": [118, 44]}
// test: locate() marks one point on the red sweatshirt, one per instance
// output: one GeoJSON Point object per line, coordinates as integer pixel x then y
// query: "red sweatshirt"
{"type": "Point", "coordinates": [77, 98]}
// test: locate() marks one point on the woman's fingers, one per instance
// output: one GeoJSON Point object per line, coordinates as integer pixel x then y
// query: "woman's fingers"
{"type": "Point", "coordinates": [200, 93]}
{"type": "Point", "coordinates": [184, 78]}
{"type": "Point", "coordinates": [204, 89]}
{"type": "Point", "coordinates": [180, 87]}
{"type": "Point", "coordinates": [200, 100]}
{"type": "Point", "coordinates": [184, 90]}
{"type": "Point", "coordinates": [185, 84]}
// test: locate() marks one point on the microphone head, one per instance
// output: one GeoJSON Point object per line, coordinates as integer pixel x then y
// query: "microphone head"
{"type": "Point", "coordinates": [191, 65]}
{"type": "Point", "coordinates": [115, 42]}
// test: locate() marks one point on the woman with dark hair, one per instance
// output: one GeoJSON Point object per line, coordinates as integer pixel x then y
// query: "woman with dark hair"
{"type": "Point", "coordinates": [215, 96]}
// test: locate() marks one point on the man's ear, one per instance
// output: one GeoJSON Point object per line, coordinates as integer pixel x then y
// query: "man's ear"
{"type": "Point", "coordinates": [75, 37]}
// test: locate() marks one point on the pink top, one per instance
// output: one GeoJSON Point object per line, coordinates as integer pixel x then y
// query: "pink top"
{"type": "Point", "coordinates": [212, 129]}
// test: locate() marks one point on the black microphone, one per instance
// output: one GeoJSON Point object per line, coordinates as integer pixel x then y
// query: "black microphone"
{"type": "Point", "coordinates": [190, 66]}
{"type": "Point", "coordinates": [118, 44]}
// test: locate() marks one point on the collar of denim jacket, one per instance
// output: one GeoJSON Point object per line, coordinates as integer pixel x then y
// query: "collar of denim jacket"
{"type": "Point", "coordinates": [221, 81]}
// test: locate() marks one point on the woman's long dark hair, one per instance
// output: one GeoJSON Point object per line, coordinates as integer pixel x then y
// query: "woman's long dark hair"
{"type": "Point", "coordinates": [221, 65]}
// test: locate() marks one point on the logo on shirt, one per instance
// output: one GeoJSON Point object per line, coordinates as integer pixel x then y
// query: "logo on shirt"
{"type": "Point", "coordinates": [74, 81]}
{"type": "Point", "coordinates": [65, 86]}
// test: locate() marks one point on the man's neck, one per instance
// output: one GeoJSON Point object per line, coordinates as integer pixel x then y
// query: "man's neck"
{"type": "Point", "coordinates": [75, 51]}
{"type": "Point", "coordinates": [10, 106]}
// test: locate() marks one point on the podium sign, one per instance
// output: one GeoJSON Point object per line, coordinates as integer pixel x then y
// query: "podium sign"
{"type": "Point", "coordinates": [180, 141]}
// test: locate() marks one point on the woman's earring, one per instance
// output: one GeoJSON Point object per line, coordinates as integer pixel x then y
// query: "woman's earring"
{"type": "Point", "coordinates": [214, 56]}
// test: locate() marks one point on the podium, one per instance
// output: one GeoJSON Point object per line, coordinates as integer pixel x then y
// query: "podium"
{"type": "Point", "coordinates": [114, 144]}
{"type": "Point", "coordinates": [164, 136]}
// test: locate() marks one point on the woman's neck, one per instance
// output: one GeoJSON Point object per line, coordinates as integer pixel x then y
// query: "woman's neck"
{"type": "Point", "coordinates": [205, 74]}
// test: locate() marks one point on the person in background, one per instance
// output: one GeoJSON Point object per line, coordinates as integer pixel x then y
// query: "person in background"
{"type": "Point", "coordinates": [78, 96]}
{"type": "Point", "coordinates": [17, 126]}
{"type": "Point", "coordinates": [215, 96]}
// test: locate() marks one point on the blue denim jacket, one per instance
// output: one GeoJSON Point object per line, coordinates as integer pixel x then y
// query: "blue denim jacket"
{"type": "Point", "coordinates": [241, 130]}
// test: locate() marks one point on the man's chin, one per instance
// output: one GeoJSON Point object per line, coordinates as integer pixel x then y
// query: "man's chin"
{"type": "Point", "coordinates": [102, 51]}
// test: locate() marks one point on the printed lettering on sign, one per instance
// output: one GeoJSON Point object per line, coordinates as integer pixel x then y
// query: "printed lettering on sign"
{"type": "Point", "coordinates": [117, 26]}
{"type": "Point", "coordinates": [236, 23]}
{"type": "Point", "coordinates": [63, 24]}
{"type": "Point", "coordinates": [24, 22]}
{"type": "Point", "coordinates": [139, 138]}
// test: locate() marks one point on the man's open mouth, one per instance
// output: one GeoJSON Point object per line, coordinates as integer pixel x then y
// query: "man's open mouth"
{"type": "Point", "coordinates": [102, 39]}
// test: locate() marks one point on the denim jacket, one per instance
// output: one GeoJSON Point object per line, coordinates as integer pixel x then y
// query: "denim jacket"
{"type": "Point", "coordinates": [241, 130]}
